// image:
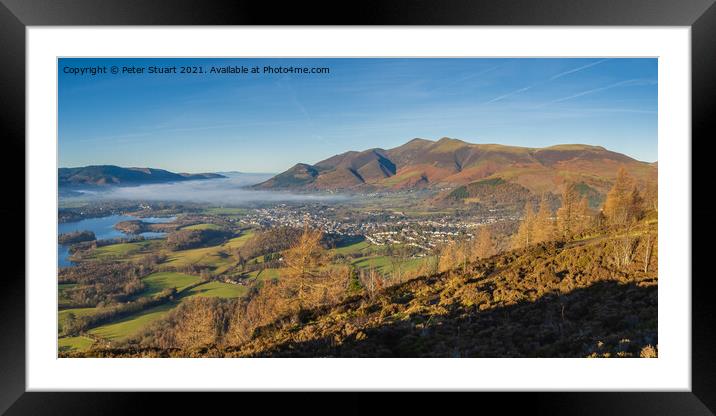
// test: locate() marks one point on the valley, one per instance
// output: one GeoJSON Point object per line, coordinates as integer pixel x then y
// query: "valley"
{"type": "Point", "coordinates": [434, 248]}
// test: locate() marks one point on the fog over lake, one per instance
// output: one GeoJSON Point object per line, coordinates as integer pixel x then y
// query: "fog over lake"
{"type": "Point", "coordinates": [230, 190]}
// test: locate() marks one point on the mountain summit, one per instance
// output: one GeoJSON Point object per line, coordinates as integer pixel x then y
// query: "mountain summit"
{"type": "Point", "coordinates": [108, 175]}
{"type": "Point", "coordinates": [450, 162]}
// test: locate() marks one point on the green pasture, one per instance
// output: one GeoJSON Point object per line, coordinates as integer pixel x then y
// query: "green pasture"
{"type": "Point", "coordinates": [121, 249]}
{"type": "Point", "coordinates": [225, 211]}
{"type": "Point", "coordinates": [215, 289]}
{"type": "Point", "coordinates": [355, 248]}
{"type": "Point", "coordinates": [218, 257]}
{"type": "Point", "coordinates": [74, 343]}
{"type": "Point", "coordinates": [239, 241]}
{"type": "Point", "coordinates": [156, 282]}
{"type": "Point", "coordinates": [78, 312]}
{"type": "Point", "coordinates": [130, 325]}
{"type": "Point", "coordinates": [265, 274]}
{"type": "Point", "coordinates": [384, 264]}
{"type": "Point", "coordinates": [62, 292]}
{"type": "Point", "coordinates": [204, 226]}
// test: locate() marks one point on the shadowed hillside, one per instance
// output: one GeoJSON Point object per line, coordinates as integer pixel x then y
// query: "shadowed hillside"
{"type": "Point", "coordinates": [585, 322]}
{"type": "Point", "coordinates": [547, 301]}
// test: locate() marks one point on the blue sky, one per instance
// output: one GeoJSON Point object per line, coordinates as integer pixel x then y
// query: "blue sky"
{"type": "Point", "coordinates": [269, 122]}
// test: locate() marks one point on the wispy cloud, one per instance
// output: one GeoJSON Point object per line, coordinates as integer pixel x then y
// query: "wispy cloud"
{"type": "Point", "coordinates": [629, 82]}
{"type": "Point", "coordinates": [509, 94]}
{"type": "Point", "coordinates": [617, 110]}
{"type": "Point", "coordinates": [581, 68]}
{"type": "Point", "coordinates": [554, 77]}
{"type": "Point", "coordinates": [464, 78]}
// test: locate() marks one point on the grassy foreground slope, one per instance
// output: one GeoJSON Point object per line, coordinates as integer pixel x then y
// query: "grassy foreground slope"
{"type": "Point", "coordinates": [551, 300]}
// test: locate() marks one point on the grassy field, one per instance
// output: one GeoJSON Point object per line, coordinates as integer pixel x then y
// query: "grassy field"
{"type": "Point", "coordinates": [202, 227]}
{"type": "Point", "coordinates": [355, 248]}
{"type": "Point", "coordinates": [62, 294]}
{"type": "Point", "coordinates": [218, 290]}
{"type": "Point", "coordinates": [380, 263]}
{"type": "Point", "coordinates": [120, 250]}
{"type": "Point", "coordinates": [130, 325]}
{"type": "Point", "coordinates": [265, 274]}
{"type": "Point", "coordinates": [218, 257]}
{"type": "Point", "coordinates": [77, 312]}
{"type": "Point", "coordinates": [212, 257]}
{"type": "Point", "coordinates": [239, 241]}
{"type": "Point", "coordinates": [74, 343]}
{"type": "Point", "coordinates": [62, 315]}
{"type": "Point", "coordinates": [156, 282]}
{"type": "Point", "coordinates": [225, 211]}
{"type": "Point", "coordinates": [383, 264]}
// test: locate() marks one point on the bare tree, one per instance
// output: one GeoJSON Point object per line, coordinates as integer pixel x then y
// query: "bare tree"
{"type": "Point", "coordinates": [371, 280]}
{"type": "Point", "coordinates": [625, 246]}
{"type": "Point", "coordinates": [651, 196]}
{"type": "Point", "coordinates": [568, 213]}
{"type": "Point", "coordinates": [647, 251]}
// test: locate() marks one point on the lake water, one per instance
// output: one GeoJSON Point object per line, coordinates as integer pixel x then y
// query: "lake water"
{"type": "Point", "coordinates": [103, 229]}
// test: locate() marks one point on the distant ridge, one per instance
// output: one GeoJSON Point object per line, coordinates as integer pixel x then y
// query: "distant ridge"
{"type": "Point", "coordinates": [110, 175]}
{"type": "Point", "coordinates": [449, 163]}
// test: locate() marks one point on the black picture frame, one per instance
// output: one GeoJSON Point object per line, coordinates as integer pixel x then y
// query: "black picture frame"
{"type": "Point", "coordinates": [16, 15]}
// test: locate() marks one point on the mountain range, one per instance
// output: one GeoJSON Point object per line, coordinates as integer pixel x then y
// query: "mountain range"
{"type": "Point", "coordinates": [108, 175]}
{"type": "Point", "coordinates": [450, 163]}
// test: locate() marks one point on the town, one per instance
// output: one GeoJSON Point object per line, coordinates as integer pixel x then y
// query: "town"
{"type": "Point", "coordinates": [377, 226]}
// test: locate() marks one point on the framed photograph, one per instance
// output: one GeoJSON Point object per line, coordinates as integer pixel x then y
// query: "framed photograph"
{"type": "Point", "coordinates": [457, 200]}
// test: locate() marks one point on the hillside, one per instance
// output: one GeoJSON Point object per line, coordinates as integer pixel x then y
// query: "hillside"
{"type": "Point", "coordinates": [495, 191]}
{"type": "Point", "coordinates": [108, 175]}
{"type": "Point", "coordinates": [549, 300]}
{"type": "Point", "coordinates": [451, 163]}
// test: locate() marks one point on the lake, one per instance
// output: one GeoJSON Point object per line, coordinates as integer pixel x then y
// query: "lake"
{"type": "Point", "coordinates": [103, 229]}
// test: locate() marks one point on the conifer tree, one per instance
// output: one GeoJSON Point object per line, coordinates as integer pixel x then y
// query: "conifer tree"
{"type": "Point", "coordinates": [449, 256]}
{"type": "Point", "coordinates": [623, 203]}
{"type": "Point", "coordinates": [525, 234]}
{"type": "Point", "coordinates": [303, 261]}
{"type": "Point", "coordinates": [544, 226]}
{"type": "Point", "coordinates": [483, 244]}
{"type": "Point", "coordinates": [567, 214]}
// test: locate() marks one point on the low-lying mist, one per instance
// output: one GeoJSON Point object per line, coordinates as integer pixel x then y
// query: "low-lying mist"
{"type": "Point", "coordinates": [231, 190]}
